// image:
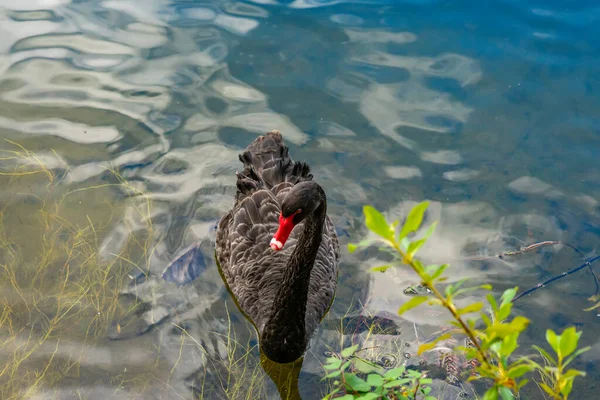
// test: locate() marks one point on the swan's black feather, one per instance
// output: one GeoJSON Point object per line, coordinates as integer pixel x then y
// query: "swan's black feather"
{"type": "Point", "coordinates": [252, 270]}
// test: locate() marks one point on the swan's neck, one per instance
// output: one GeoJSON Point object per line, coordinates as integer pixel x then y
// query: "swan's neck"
{"type": "Point", "coordinates": [284, 336]}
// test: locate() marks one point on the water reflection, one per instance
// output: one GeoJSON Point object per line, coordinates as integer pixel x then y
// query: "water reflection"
{"type": "Point", "coordinates": [489, 114]}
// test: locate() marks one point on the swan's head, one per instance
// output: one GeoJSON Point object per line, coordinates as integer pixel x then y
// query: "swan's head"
{"type": "Point", "coordinates": [301, 201]}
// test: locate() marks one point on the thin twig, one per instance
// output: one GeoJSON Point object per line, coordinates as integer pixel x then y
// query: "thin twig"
{"type": "Point", "coordinates": [522, 250]}
{"type": "Point", "coordinates": [417, 388]}
{"type": "Point", "coordinates": [557, 277]}
{"type": "Point", "coordinates": [536, 246]}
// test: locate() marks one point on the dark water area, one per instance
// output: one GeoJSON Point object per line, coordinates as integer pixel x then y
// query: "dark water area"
{"type": "Point", "coordinates": [490, 110]}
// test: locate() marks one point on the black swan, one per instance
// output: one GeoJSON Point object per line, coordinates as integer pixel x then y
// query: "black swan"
{"type": "Point", "coordinates": [277, 248]}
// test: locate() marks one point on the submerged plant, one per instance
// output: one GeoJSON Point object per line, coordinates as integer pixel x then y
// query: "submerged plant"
{"type": "Point", "coordinates": [62, 279]}
{"type": "Point", "coordinates": [492, 335]}
{"type": "Point", "coordinates": [58, 293]}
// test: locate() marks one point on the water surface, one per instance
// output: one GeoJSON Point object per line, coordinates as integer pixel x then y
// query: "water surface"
{"type": "Point", "coordinates": [489, 111]}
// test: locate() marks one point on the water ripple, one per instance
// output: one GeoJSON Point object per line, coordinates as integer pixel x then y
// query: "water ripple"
{"type": "Point", "coordinates": [487, 110]}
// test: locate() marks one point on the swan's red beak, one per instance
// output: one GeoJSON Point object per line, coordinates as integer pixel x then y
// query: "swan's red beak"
{"type": "Point", "coordinates": [283, 232]}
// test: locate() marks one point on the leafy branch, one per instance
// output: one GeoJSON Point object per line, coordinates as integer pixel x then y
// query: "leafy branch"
{"type": "Point", "coordinates": [492, 345]}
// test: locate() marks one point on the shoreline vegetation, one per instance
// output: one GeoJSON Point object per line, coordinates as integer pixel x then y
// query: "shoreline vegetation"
{"type": "Point", "coordinates": [492, 331]}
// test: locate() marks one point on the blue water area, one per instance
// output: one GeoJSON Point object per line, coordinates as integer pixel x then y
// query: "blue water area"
{"type": "Point", "coordinates": [489, 110]}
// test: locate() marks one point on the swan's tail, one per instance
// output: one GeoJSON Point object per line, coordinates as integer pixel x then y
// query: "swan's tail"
{"type": "Point", "coordinates": [267, 163]}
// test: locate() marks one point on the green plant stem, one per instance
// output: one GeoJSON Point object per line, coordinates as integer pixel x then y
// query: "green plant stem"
{"type": "Point", "coordinates": [445, 303]}
{"type": "Point", "coordinates": [417, 388]}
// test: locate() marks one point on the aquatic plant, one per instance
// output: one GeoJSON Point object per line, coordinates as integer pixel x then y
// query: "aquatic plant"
{"type": "Point", "coordinates": [62, 279]}
{"type": "Point", "coordinates": [232, 370]}
{"type": "Point", "coordinates": [53, 280]}
{"type": "Point", "coordinates": [493, 334]}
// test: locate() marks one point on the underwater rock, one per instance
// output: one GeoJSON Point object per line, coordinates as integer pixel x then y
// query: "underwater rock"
{"type": "Point", "coordinates": [186, 267]}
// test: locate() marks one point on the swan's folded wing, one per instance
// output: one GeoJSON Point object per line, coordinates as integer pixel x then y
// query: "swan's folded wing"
{"type": "Point", "coordinates": [250, 228]}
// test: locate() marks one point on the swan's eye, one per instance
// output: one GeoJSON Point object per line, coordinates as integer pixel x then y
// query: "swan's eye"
{"type": "Point", "coordinates": [298, 211]}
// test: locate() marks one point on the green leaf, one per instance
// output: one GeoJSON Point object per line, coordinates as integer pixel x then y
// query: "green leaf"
{"type": "Point", "coordinates": [412, 303]}
{"type": "Point", "coordinates": [547, 389]}
{"type": "Point", "coordinates": [521, 384]}
{"type": "Point", "coordinates": [435, 302]}
{"type": "Point", "coordinates": [414, 374]}
{"type": "Point", "coordinates": [355, 383]}
{"type": "Point", "coordinates": [394, 373]}
{"type": "Point", "coordinates": [365, 366]}
{"type": "Point", "coordinates": [451, 289]}
{"type": "Point", "coordinates": [519, 323]}
{"type": "Point", "coordinates": [333, 363]}
{"type": "Point", "coordinates": [332, 366]}
{"type": "Point", "coordinates": [439, 271]}
{"type": "Point", "coordinates": [471, 322]}
{"type": "Point", "coordinates": [545, 354]}
{"type": "Point", "coordinates": [491, 394]}
{"type": "Point", "coordinates": [505, 393]}
{"type": "Point", "coordinates": [572, 373]}
{"type": "Point", "coordinates": [471, 308]}
{"type": "Point", "coordinates": [508, 295]}
{"type": "Point", "coordinates": [383, 268]}
{"type": "Point", "coordinates": [346, 397]}
{"type": "Point", "coordinates": [567, 388]}
{"type": "Point", "coordinates": [352, 247]}
{"type": "Point", "coordinates": [376, 222]}
{"type": "Point", "coordinates": [574, 355]}
{"type": "Point", "coordinates": [486, 320]}
{"type": "Point", "coordinates": [348, 351]}
{"type": "Point", "coordinates": [419, 268]}
{"type": "Point", "coordinates": [470, 289]}
{"type": "Point", "coordinates": [414, 219]}
{"type": "Point", "coordinates": [554, 341]}
{"type": "Point", "coordinates": [568, 341]}
{"type": "Point", "coordinates": [492, 301]}
{"type": "Point", "coordinates": [404, 243]}
{"type": "Point", "coordinates": [495, 346]}
{"type": "Point", "coordinates": [509, 344]}
{"type": "Point", "coordinates": [375, 380]}
{"type": "Point", "coordinates": [396, 383]}
{"type": "Point", "coordinates": [428, 346]}
{"type": "Point", "coordinates": [413, 247]}
{"type": "Point", "coordinates": [333, 374]}
{"type": "Point", "coordinates": [369, 396]}
{"type": "Point", "coordinates": [430, 230]}
{"type": "Point", "coordinates": [504, 311]}
{"type": "Point", "coordinates": [597, 305]}
{"type": "Point", "coordinates": [519, 370]}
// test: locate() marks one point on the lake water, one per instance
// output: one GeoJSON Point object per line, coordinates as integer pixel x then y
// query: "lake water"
{"type": "Point", "coordinates": [131, 114]}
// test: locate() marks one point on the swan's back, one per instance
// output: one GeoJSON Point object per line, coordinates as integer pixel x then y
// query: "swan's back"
{"type": "Point", "coordinates": [252, 270]}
